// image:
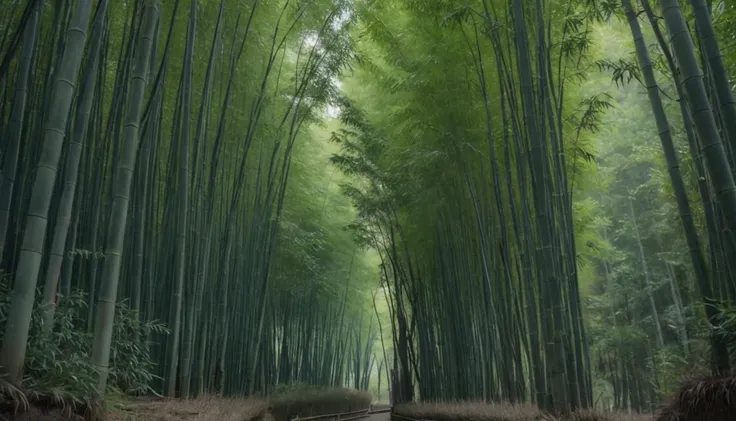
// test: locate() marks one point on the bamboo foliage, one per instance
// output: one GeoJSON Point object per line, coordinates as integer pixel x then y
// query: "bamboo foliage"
{"type": "Point", "coordinates": [700, 108]}
{"type": "Point", "coordinates": [526, 283]}
{"type": "Point", "coordinates": [693, 263]}
{"type": "Point", "coordinates": [480, 267]}
{"type": "Point", "coordinates": [721, 360]}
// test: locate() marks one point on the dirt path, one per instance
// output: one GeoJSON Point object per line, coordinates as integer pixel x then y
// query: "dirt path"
{"type": "Point", "coordinates": [382, 416]}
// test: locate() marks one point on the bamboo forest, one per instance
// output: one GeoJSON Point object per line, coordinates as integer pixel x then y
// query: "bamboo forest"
{"type": "Point", "coordinates": [441, 208]}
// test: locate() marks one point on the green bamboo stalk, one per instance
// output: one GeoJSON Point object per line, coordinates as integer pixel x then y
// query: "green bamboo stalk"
{"type": "Point", "coordinates": [15, 339]}
{"type": "Point", "coordinates": [105, 311]}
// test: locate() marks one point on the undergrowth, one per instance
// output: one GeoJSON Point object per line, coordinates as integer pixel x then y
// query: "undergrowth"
{"type": "Point", "coordinates": [702, 398]}
{"type": "Point", "coordinates": [202, 408]}
{"type": "Point", "coordinates": [286, 403]}
{"type": "Point", "coordinates": [485, 411]}
{"type": "Point", "coordinates": [58, 371]}
{"type": "Point", "coordinates": [290, 401]}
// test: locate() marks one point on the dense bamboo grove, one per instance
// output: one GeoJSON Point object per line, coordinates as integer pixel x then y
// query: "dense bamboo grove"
{"type": "Point", "coordinates": [527, 201]}
{"type": "Point", "coordinates": [532, 246]}
{"type": "Point", "coordinates": [679, 253]}
{"type": "Point", "coordinates": [148, 149]}
{"type": "Point", "coordinates": [494, 235]}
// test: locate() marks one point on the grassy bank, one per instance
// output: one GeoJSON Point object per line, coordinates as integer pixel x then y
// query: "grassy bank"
{"type": "Point", "coordinates": [704, 398]}
{"type": "Point", "coordinates": [284, 405]}
{"type": "Point", "coordinates": [205, 408]}
{"type": "Point", "coordinates": [484, 411]}
{"type": "Point", "coordinates": [306, 401]}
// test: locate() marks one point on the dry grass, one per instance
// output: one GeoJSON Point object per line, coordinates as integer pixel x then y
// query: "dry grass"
{"type": "Point", "coordinates": [49, 405]}
{"type": "Point", "coordinates": [701, 399]}
{"type": "Point", "coordinates": [309, 401]}
{"type": "Point", "coordinates": [465, 411]}
{"type": "Point", "coordinates": [301, 402]}
{"type": "Point", "coordinates": [588, 415]}
{"type": "Point", "coordinates": [705, 398]}
{"type": "Point", "coordinates": [214, 408]}
{"type": "Point", "coordinates": [205, 408]}
{"type": "Point", "coordinates": [36, 414]}
{"type": "Point", "coordinates": [483, 411]}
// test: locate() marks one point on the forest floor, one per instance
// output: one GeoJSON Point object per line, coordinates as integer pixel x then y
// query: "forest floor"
{"type": "Point", "coordinates": [201, 409]}
{"type": "Point", "coordinates": [36, 414]}
{"type": "Point", "coordinates": [705, 399]}
{"type": "Point", "coordinates": [383, 416]}
{"type": "Point", "coordinates": [283, 405]}
{"type": "Point", "coordinates": [484, 411]}
{"type": "Point", "coordinates": [152, 409]}
{"type": "Point", "coordinates": [210, 408]}
{"type": "Point", "coordinates": [207, 408]}
{"type": "Point", "coordinates": [218, 409]}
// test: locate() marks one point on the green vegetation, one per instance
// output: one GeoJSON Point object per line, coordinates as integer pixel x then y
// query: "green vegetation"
{"type": "Point", "coordinates": [330, 202]}
{"type": "Point", "coordinates": [59, 370]}
{"type": "Point", "coordinates": [594, 274]}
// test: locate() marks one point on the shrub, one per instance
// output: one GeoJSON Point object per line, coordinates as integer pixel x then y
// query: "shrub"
{"type": "Point", "coordinates": [302, 400]}
{"type": "Point", "coordinates": [706, 398]}
{"type": "Point", "coordinates": [484, 411]}
{"type": "Point", "coordinates": [131, 367]}
{"type": "Point", "coordinates": [58, 372]}
{"type": "Point", "coordinates": [465, 411]}
{"type": "Point", "coordinates": [586, 415]}
{"type": "Point", "coordinates": [202, 408]}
